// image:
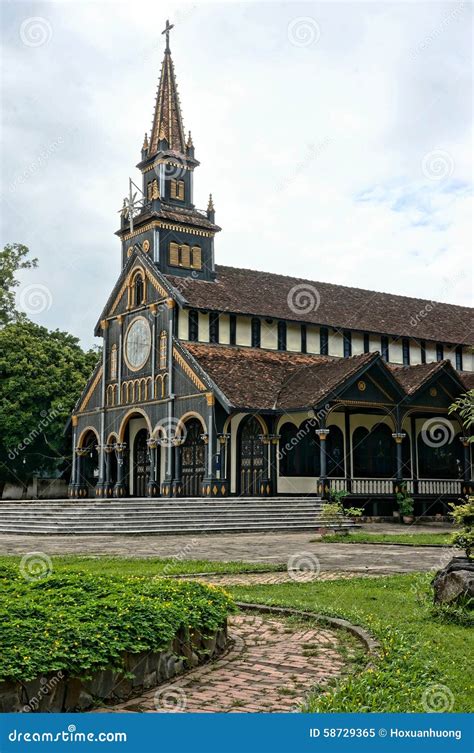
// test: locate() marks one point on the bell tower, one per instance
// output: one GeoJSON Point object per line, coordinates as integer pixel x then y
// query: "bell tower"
{"type": "Point", "coordinates": [161, 217]}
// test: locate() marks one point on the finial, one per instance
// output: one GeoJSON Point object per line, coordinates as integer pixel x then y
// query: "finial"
{"type": "Point", "coordinates": [210, 206]}
{"type": "Point", "coordinates": [145, 142]}
{"type": "Point", "coordinates": [189, 142]}
{"type": "Point", "coordinates": [166, 31]}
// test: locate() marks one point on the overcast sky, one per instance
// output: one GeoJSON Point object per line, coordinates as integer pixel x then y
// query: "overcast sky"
{"type": "Point", "coordinates": [335, 138]}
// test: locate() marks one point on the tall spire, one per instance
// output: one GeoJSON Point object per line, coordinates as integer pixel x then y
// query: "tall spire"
{"type": "Point", "coordinates": [167, 120]}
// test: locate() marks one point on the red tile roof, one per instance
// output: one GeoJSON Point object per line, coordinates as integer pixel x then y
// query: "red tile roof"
{"type": "Point", "coordinates": [245, 291]}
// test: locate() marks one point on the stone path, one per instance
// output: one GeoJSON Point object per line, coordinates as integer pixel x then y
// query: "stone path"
{"type": "Point", "coordinates": [271, 666]}
{"type": "Point", "coordinates": [268, 547]}
{"type": "Point", "coordinates": [273, 579]}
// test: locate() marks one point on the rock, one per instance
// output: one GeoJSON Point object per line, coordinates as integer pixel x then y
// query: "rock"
{"type": "Point", "coordinates": [101, 684]}
{"type": "Point", "coordinates": [10, 697]}
{"type": "Point", "coordinates": [454, 582]}
{"type": "Point", "coordinates": [209, 645]}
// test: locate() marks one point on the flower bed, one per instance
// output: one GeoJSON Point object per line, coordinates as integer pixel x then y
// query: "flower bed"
{"type": "Point", "coordinates": [71, 638]}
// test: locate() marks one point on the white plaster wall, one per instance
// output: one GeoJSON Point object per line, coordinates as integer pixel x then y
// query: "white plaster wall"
{"type": "Point", "coordinates": [203, 324]}
{"type": "Point", "coordinates": [395, 351]}
{"type": "Point", "coordinates": [450, 353]}
{"type": "Point", "coordinates": [224, 329]}
{"type": "Point", "coordinates": [312, 340]}
{"type": "Point", "coordinates": [183, 324]}
{"type": "Point", "coordinates": [430, 352]}
{"type": "Point", "coordinates": [293, 338]}
{"type": "Point", "coordinates": [357, 343]}
{"type": "Point", "coordinates": [243, 331]}
{"type": "Point", "coordinates": [467, 359]}
{"type": "Point", "coordinates": [269, 335]}
{"type": "Point", "coordinates": [336, 344]}
{"type": "Point", "coordinates": [375, 343]}
{"type": "Point", "coordinates": [415, 353]}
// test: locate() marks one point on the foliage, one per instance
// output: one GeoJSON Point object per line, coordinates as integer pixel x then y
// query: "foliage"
{"type": "Point", "coordinates": [80, 623]}
{"type": "Point", "coordinates": [338, 496]}
{"type": "Point", "coordinates": [464, 516]}
{"type": "Point", "coordinates": [412, 538]}
{"type": "Point", "coordinates": [464, 406]}
{"type": "Point", "coordinates": [335, 508]}
{"type": "Point", "coordinates": [406, 503]}
{"type": "Point", "coordinates": [354, 512]}
{"type": "Point", "coordinates": [42, 374]}
{"type": "Point", "coordinates": [331, 512]}
{"type": "Point", "coordinates": [12, 260]}
{"type": "Point", "coordinates": [418, 651]}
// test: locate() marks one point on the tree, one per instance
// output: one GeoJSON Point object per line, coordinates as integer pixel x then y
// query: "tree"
{"type": "Point", "coordinates": [42, 374]}
{"type": "Point", "coordinates": [464, 406]}
{"type": "Point", "coordinates": [12, 260]}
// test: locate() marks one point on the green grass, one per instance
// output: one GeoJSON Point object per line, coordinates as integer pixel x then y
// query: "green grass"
{"type": "Point", "coordinates": [418, 650]}
{"type": "Point", "coordinates": [414, 539]}
{"type": "Point", "coordinates": [147, 567]}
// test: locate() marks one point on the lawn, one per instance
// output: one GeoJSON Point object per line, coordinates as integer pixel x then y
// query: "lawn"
{"type": "Point", "coordinates": [413, 539]}
{"type": "Point", "coordinates": [146, 567]}
{"type": "Point", "coordinates": [419, 651]}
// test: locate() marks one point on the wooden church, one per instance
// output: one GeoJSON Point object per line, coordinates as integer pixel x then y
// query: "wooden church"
{"type": "Point", "coordinates": [217, 381]}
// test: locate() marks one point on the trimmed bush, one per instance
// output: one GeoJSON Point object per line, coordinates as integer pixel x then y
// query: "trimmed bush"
{"type": "Point", "coordinates": [81, 623]}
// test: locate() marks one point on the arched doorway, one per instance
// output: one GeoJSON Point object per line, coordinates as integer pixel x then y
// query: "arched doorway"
{"type": "Point", "coordinates": [374, 452]}
{"type": "Point", "coordinates": [251, 453]}
{"type": "Point", "coordinates": [193, 458]}
{"type": "Point", "coordinates": [90, 460]}
{"type": "Point", "coordinates": [141, 463]}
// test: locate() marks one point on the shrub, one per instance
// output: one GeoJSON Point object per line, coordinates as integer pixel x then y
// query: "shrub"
{"type": "Point", "coordinates": [464, 515]}
{"type": "Point", "coordinates": [80, 623]}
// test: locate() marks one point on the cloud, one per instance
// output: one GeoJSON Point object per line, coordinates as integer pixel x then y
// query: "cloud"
{"type": "Point", "coordinates": [318, 155]}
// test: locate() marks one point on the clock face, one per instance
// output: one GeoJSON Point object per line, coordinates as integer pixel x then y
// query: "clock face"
{"type": "Point", "coordinates": [137, 343]}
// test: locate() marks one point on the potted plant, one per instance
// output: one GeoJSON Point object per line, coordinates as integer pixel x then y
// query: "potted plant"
{"type": "Point", "coordinates": [406, 505]}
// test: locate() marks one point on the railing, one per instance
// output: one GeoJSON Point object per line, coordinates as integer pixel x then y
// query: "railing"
{"type": "Point", "coordinates": [372, 486]}
{"type": "Point", "coordinates": [439, 486]}
{"type": "Point", "coordinates": [387, 486]}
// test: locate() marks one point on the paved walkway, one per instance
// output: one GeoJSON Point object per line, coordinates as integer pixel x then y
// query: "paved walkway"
{"type": "Point", "coordinates": [265, 547]}
{"type": "Point", "coordinates": [271, 667]}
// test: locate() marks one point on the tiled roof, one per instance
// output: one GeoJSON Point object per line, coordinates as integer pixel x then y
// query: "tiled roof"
{"type": "Point", "coordinates": [467, 377]}
{"type": "Point", "coordinates": [245, 291]}
{"type": "Point", "coordinates": [265, 380]}
{"type": "Point", "coordinates": [413, 377]}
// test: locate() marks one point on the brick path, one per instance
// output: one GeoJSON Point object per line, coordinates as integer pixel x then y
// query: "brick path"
{"type": "Point", "coordinates": [271, 666]}
{"type": "Point", "coordinates": [273, 579]}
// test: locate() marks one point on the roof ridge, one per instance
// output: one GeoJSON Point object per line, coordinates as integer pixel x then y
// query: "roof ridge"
{"type": "Point", "coordinates": [339, 285]}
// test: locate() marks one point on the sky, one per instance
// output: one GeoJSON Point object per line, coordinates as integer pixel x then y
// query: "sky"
{"type": "Point", "coordinates": [335, 138]}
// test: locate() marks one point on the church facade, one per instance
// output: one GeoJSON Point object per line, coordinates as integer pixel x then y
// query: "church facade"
{"type": "Point", "coordinates": [217, 381]}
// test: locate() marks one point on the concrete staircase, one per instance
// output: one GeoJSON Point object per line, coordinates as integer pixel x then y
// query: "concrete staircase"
{"type": "Point", "coordinates": [161, 516]}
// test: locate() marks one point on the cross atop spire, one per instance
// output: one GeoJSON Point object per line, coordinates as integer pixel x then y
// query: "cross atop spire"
{"type": "Point", "coordinates": [167, 120]}
{"type": "Point", "coordinates": [166, 31]}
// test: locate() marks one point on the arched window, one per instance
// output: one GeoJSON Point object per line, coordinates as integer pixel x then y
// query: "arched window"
{"type": "Point", "coordinates": [196, 257]}
{"type": "Point", "coordinates": [113, 362]}
{"type": "Point", "coordinates": [299, 451]}
{"type": "Point", "coordinates": [163, 362]}
{"type": "Point", "coordinates": [335, 453]}
{"type": "Point", "coordinates": [374, 452]}
{"type": "Point", "coordinates": [443, 461]}
{"type": "Point", "coordinates": [139, 290]}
